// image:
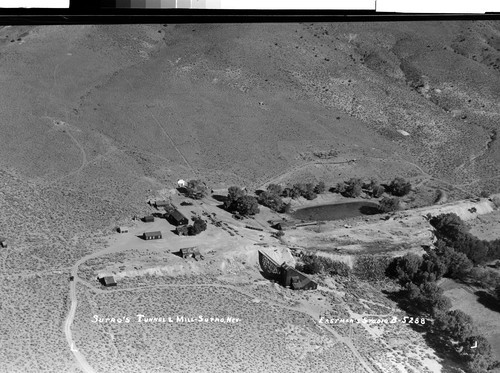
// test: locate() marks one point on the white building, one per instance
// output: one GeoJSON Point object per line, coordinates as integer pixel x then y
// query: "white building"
{"type": "Point", "coordinates": [181, 183]}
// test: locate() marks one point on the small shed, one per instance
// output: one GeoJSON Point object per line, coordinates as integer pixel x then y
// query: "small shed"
{"type": "Point", "coordinates": [108, 281]}
{"type": "Point", "coordinates": [3, 242]}
{"type": "Point", "coordinates": [177, 218]}
{"type": "Point", "coordinates": [181, 183]}
{"type": "Point", "coordinates": [191, 252]}
{"type": "Point", "coordinates": [122, 230]}
{"type": "Point", "coordinates": [152, 235]}
{"type": "Point", "coordinates": [148, 219]}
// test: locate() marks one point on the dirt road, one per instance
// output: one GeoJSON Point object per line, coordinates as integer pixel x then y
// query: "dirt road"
{"type": "Point", "coordinates": [82, 362]}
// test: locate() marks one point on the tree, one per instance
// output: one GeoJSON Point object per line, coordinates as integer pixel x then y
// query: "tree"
{"type": "Point", "coordinates": [233, 193]}
{"type": "Point", "coordinates": [199, 225]}
{"type": "Point", "coordinates": [377, 191]}
{"type": "Point", "coordinates": [404, 268]}
{"type": "Point", "coordinates": [273, 201]}
{"type": "Point", "coordinates": [481, 356]}
{"type": "Point", "coordinates": [340, 188]}
{"type": "Point", "coordinates": [459, 265]}
{"type": "Point", "coordinates": [247, 205]}
{"type": "Point", "coordinates": [309, 192]}
{"type": "Point", "coordinates": [455, 324]}
{"type": "Point", "coordinates": [449, 225]}
{"type": "Point", "coordinates": [441, 305]}
{"type": "Point", "coordinates": [320, 188]}
{"type": "Point", "coordinates": [275, 189]}
{"type": "Point", "coordinates": [353, 188]}
{"type": "Point", "coordinates": [429, 298]}
{"type": "Point", "coordinates": [389, 204]}
{"type": "Point", "coordinates": [399, 187]}
{"type": "Point", "coordinates": [196, 189]}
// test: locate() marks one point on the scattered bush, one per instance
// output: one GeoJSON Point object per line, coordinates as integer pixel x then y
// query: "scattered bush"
{"type": "Point", "coordinates": [371, 268]}
{"type": "Point", "coordinates": [315, 264]}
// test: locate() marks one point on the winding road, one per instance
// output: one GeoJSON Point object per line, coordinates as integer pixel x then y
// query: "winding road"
{"type": "Point", "coordinates": [87, 368]}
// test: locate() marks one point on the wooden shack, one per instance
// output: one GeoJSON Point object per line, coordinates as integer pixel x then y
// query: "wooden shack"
{"type": "Point", "coordinates": [122, 230]}
{"type": "Point", "coordinates": [296, 280]}
{"type": "Point", "coordinates": [191, 252]}
{"type": "Point", "coordinates": [148, 219]}
{"type": "Point", "coordinates": [108, 281]}
{"type": "Point", "coordinates": [176, 218]}
{"type": "Point", "coordinates": [152, 235]}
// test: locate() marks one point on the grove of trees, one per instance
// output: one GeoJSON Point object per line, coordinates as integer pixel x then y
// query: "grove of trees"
{"type": "Point", "coordinates": [196, 189]}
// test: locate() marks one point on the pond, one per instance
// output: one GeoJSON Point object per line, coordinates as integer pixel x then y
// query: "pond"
{"type": "Point", "coordinates": [336, 211]}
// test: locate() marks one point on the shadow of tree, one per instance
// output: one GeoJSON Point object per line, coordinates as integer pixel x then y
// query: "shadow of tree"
{"type": "Point", "coordinates": [488, 300]}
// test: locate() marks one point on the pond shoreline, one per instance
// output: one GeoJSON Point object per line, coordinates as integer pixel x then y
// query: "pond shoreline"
{"type": "Point", "coordinates": [336, 211]}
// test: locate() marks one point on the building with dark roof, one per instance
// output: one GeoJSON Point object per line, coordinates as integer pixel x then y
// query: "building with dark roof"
{"type": "Point", "coordinates": [152, 235]}
{"type": "Point", "coordinates": [148, 219]}
{"type": "Point", "coordinates": [295, 279]}
{"type": "Point", "coordinates": [108, 281]}
{"type": "Point", "coordinates": [176, 218]}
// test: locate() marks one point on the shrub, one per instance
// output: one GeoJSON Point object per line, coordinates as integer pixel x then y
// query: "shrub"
{"type": "Point", "coordinates": [496, 201]}
{"type": "Point", "coordinates": [309, 193]}
{"type": "Point", "coordinates": [315, 264]}
{"type": "Point", "coordinates": [353, 188]}
{"type": "Point", "coordinates": [377, 191]}
{"type": "Point", "coordinates": [399, 187]}
{"type": "Point", "coordinates": [275, 189]}
{"type": "Point", "coordinates": [320, 188]}
{"type": "Point", "coordinates": [371, 268]}
{"type": "Point", "coordinates": [389, 204]}
{"type": "Point", "coordinates": [404, 268]}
